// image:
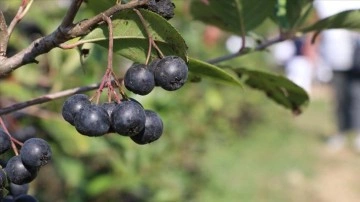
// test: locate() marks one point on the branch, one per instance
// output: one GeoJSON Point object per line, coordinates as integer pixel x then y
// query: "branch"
{"type": "Point", "coordinates": [3, 35]}
{"type": "Point", "coordinates": [84, 27]}
{"type": "Point", "coordinates": [61, 35]}
{"type": "Point", "coordinates": [242, 52]}
{"type": "Point", "coordinates": [71, 13]}
{"type": "Point", "coordinates": [46, 98]}
{"type": "Point", "coordinates": [51, 97]}
{"type": "Point", "coordinates": [57, 95]}
{"type": "Point", "coordinates": [23, 9]}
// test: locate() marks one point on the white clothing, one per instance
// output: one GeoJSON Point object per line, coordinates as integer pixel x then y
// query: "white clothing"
{"type": "Point", "coordinates": [337, 45]}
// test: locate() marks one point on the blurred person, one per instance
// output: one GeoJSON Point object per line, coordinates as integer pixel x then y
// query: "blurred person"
{"type": "Point", "coordinates": [297, 58]}
{"type": "Point", "coordinates": [211, 35]}
{"type": "Point", "coordinates": [337, 49]}
{"type": "Point", "coordinates": [299, 68]}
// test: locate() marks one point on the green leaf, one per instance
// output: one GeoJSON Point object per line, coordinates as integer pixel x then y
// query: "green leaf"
{"type": "Point", "coordinates": [131, 41]}
{"type": "Point", "coordinates": [65, 134]}
{"type": "Point", "coordinates": [347, 19]}
{"type": "Point", "coordinates": [289, 12]}
{"type": "Point", "coordinates": [71, 169]}
{"type": "Point", "coordinates": [15, 90]}
{"type": "Point", "coordinates": [97, 6]}
{"type": "Point", "coordinates": [202, 68]}
{"type": "Point", "coordinates": [276, 87]}
{"type": "Point", "coordinates": [229, 15]}
{"type": "Point", "coordinates": [101, 184]}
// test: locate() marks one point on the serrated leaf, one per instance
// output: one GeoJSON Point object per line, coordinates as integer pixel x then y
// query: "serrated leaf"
{"type": "Point", "coordinates": [276, 87]}
{"type": "Point", "coordinates": [229, 15]}
{"type": "Point", "coordinates": [347, 19]}
{"type": "Point", "coordinates": [202, 68]}
{"type": "Point", "coordinates": [131, 41]}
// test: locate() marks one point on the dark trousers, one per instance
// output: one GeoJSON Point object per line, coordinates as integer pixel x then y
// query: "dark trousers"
{"type": "Point", "coordinates": [347, 95]}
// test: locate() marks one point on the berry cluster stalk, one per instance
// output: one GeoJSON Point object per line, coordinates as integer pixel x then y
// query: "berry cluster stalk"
{"type": "Point", "coordinates": [107, 80]}
{"type": "Point", "coordinates": [151, 40]}
{"type": "Point", "coordinates": [13, 140]}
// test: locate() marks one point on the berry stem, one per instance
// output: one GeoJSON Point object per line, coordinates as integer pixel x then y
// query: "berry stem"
{"type": "Point", "coordinates": [157, 49]}
{"type": "Point", "coordinates": [13, 140]}
{"type": "Point", "coordinates": [149, 51]}
{"type": "Point", "coordinates": [106, 80]}
{"type": "Point", "coordinates": [150, 38]}
{"type": "Point", "coordinates": [111, 41]}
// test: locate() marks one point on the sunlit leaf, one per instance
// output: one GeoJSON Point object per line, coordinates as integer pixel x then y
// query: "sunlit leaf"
{"type": "Point", "coordinates": [97, 6]}
{"type": "Point", "coordinates": [202, 68]}
{"type": "Point", "coordinates": [229, 15]}
{"type": "Point", "coordinates": [347, 19]}
{"type": "Point", "coordinates": [277, 88]}
{"type": "Point", "coordinates": [289, 12]}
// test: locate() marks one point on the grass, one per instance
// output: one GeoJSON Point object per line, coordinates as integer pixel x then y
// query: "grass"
{"type": "Point", "coordinates": [272, 162]}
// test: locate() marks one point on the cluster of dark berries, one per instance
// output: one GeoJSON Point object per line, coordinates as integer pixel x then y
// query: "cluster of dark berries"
{"type": "Point", "coordinates": [165, 8]}
{"type": "Point", "coordinates": [21, 169]}
{"type": "Point", "coordinates": [127, 118]}
{"type": "Point", "coordinates": [170, 73]}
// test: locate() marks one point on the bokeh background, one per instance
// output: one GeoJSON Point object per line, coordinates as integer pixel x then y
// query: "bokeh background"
{"type": "Point", "coordinates": [221, 143]}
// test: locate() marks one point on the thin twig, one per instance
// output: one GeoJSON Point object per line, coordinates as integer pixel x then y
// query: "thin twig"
{"type": "Point", "coordinates": [84, 27]}
{"type": "Point", "coordinates": [151, 40]}
{"type": "Point", "coordinates": [111, 41]}
{"type": "Point", "coordinates": [238, 54]}
{"type": "Point", "coordinates": [23, 9]}
{"type": "Point", "coordinates": [70, 14]}
{"type": "Point", "coordinates": [50, 97]}
{"type": "Point", "coordinates": [13, 140]}
{"type": "Point", "coordinates": [243, 35]}
{"type": "Point", "coordinates": [149, 51]}
{"type": "Point", "coordinates": [242, 28]}
{"type": "Point", "coordinates": [157, 49]}
{"type": "Point", "coordinates": [73, 45]}
{"type": "Point", "coordinates": [3, 35]}
{"type": "Point", "coordinates": [46, 98]}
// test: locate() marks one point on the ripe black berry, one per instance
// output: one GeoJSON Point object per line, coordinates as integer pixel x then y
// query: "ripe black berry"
{"type": "Point", "coordinates": [109, 107]}
{"type": "Point", "coordinates": [17, 190]}
{"type": "Point", "coordinates": [165, 8]}
{"type": "Point", "coordinates": [5, 142]}
{"type": "Point", "coordinates": [171, 73]}
{"type": "Point", "coordinates": [152, 131]}
{"type": "Point", "coordinates": [25, 133]}
{"type": "Point", "coordinates": [8, 198]}
{"type": "Point", "coordinates": [73, 105]}
{"type": "Point", "coordinates": [153, 66]}
{"type": "Point", "coordinates": [2, 178]}
{"type": "Point", "coordinates": [138, 79]}
{"type": "Point", "coordinates": [18, 173]}
{"type": "Point", "coordinates": [92, 120]}
{"type": "Point", "coordinates": [25, 198]}
{"type": "Point", "coordinates": [128, 118]}
{"type": "Point", "coordinates": [35, 152]}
